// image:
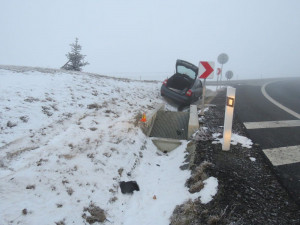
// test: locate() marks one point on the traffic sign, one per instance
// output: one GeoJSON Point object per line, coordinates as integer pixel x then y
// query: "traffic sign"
{"type": "Point", "coordinates": [206, 70]}
{"type": "Point", "coordinates": [219, 71]}
{"type": "Point", "coordinates": [223, 58]}
{"type": "Point", "coordinates": [229, 74]}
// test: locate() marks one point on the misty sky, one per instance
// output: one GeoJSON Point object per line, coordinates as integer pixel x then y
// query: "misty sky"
{"type": "Point", "coordinates": [144, 38]}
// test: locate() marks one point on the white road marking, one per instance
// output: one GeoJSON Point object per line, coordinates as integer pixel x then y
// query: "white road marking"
{"type": "Point", "coordinates": [284, 155]}
{"type": "Point", "coordinates": [272, 124]}
{"type": "Point", "coordinates": [263, 90]}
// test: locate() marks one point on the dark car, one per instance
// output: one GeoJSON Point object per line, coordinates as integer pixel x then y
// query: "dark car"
{"type": "Point", "coordinates": [183, 87]}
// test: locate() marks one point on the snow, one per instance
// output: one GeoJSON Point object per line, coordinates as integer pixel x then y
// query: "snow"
{"type": "Point", "coordinates": [252, 159]}
{"type": "Point", "coordinates": [75, 138]}
{"type": "Point", "coordinates": [210, 190]}
{"type": "Point", "coordinates": [235, 139]}
{"type": "Point", "coordinates": [204, 110]}
{"type": "Point", "coordinates": [161, 178]}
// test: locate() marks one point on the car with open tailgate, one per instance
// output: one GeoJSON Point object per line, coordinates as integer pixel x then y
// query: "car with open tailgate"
{"type": "Point", "coordinates": [183, 87]}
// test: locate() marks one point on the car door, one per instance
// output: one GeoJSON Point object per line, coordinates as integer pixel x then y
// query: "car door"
{"type": "Point", "coordinates": [197, 88]}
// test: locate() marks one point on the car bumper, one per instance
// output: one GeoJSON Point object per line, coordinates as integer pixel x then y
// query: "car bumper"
{"type": "Point", "coordinates": [182, 99]}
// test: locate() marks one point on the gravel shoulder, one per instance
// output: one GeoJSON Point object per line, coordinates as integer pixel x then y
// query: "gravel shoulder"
{"type": "Point", "coordinates": [248, 190]}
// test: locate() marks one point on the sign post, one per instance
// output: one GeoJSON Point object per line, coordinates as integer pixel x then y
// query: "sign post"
{"type": "Point", "coordinates": [229, 108]}
{"type": "Point", "coordinates": [218, 76]}
{"type": "Point", "coordinates": [206, 70]}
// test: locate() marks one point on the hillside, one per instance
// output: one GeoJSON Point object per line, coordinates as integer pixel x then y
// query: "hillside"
{"type": "Point", "coordinates": [68, 139]}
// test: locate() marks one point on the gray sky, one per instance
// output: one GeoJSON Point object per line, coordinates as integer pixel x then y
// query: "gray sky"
{"type": "Point", "coordinates": [144, 38]}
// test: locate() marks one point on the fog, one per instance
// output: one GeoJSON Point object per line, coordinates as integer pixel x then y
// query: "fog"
{"type": "Point", "coordinates": [143, 39]}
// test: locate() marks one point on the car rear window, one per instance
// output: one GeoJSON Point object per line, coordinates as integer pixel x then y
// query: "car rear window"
{"type": "Point", "coordinates": [184, 70]}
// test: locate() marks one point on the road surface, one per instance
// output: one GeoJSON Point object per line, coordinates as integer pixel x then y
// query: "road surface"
{"type": "Point", "coordinates": [271, 113]}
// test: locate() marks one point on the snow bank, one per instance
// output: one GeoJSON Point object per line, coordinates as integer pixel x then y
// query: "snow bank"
{"type": "Point", "coordinates": [67, 140]}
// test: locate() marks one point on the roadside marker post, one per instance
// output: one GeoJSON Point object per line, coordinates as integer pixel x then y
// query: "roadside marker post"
{"type": "Point", "coordinates": [206, 70]}
{"type": "Point", "coordinates": [229, 108]}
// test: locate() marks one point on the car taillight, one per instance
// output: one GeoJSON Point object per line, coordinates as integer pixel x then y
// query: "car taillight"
{"type": "Point", "coordinates": [189, 93]}
{"type": "Point", "coordinates": [165, 82]}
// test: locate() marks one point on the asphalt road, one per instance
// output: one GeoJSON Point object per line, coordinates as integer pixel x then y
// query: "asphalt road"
{"type": "Point", "coordinates": [271, 113]}
{"type": "Point", "coordinates": [286, 92]}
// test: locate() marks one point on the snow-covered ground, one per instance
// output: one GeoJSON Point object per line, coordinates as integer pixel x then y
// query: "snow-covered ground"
{"type": "Point", "coordinates": [235, 139]}
{"type": "Point", "coordinates": [68, 139]}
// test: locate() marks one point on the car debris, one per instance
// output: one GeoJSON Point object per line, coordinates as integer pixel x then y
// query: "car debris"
{"type": "Point", "coordinates": [127, 187]}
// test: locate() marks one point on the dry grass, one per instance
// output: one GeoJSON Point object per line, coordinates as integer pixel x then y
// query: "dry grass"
{"type": "Point", "coordinates": [213, 220]}
{"type": "Point", "coordinates": [195, 182]}
{"type": "Point", "coordinates": [194, 213]}
{"type": "Point", "coordinates": [19, 152]}
{"type": "Point", "coordinates": [66, 156]}
{"type": "Point", "coordinates": [70, 191]}
{"type": "Point", "coordinates": [96, 214]}
{"type": "Point", "coordinates": [184, 214]}
{"type": "Point", "coordinates": [196, 187]}
{"type": "Point", "coordinates": [199, 173]}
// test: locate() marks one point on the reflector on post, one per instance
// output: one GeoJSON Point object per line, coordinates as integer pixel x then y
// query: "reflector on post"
{"type": "Point", "coordinates": [228, 118]}
{"type": "Point", "coordinates": [230, 101]}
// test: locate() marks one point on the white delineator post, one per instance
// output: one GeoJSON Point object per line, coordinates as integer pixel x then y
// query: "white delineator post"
{"type": "Point", "coordinates": [229, 108]}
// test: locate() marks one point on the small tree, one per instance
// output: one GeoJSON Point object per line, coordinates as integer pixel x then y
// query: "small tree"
{"type": "Point", "coordinates": [76, 59]}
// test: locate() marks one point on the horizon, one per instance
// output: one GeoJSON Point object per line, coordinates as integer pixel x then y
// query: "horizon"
{"type": "Point", "coordinates": [137, 78]}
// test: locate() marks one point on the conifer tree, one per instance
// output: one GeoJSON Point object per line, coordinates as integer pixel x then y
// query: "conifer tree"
{"type": "Point", "coordinates": [75, 58]}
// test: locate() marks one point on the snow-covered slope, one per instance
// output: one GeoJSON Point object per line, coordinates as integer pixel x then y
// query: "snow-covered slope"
{"type": "Point", "coordinates": [68, 139]}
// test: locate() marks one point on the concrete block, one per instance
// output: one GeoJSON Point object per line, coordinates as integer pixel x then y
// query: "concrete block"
{"type": "Point", "coordinates": [193, 121]}
{"type": "Point", "coordinates": [166, 144]}
{"type": "Point", "coordinates": [150, 116]}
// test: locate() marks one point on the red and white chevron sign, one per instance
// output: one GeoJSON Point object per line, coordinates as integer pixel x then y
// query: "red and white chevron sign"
{"type": "Point", "coordinates": [206, 70]}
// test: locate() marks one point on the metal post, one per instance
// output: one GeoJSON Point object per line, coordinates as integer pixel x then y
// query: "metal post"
{"type": "Point", "coordinates": [203, 97]}
{"type": "Point", "coordinates": [221, 72]}
{"type": "Point", "coordinates": [218, 81]}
